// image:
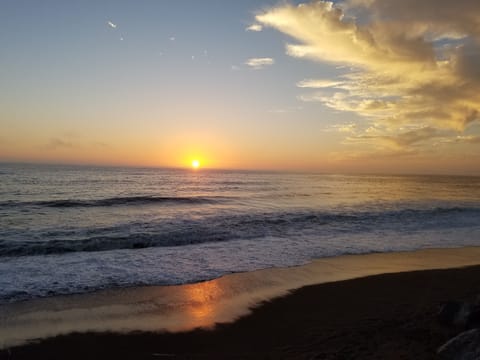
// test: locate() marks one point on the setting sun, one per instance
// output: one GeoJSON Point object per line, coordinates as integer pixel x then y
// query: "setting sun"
{"type": "Point", "coordinates": [195, 164]}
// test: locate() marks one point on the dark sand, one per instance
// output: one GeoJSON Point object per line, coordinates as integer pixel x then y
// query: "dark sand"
{"type": "Point", "coordinates": [390, 316]}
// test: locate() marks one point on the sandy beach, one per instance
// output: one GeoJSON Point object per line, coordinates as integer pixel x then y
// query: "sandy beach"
{"type": "Point", "coordinates": [392, 314]}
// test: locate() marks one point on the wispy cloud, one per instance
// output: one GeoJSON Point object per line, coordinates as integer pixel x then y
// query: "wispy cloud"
{"type": "Point", "coordinates": [400, 141]}
{"type": "Point", "coordinates": [285, 110]}
{"type": "Point", "coordinates": [318, 83]}
{"type": "Point", "coordinates": [342, 128]}
{"type": "Point", "coordinates": [259, 63]}
{"type": "Point", "coordinates": [468, 139]}
{"type": "Point", "coordinates": [100, 144]}
{"type": "Point", "coordinates": [405, 63]}
{"type": "Point", "coordinates": [57, 143]}
{"type": "Point", "coordinates": [111, 24]}
{"type": "Point", "coordinates": [254, 27]}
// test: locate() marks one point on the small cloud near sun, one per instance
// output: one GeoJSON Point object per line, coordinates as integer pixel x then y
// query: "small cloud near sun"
{"type": "Point", "coordinates": [111, 24]}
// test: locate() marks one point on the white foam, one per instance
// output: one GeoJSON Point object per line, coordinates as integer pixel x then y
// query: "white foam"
{"type": "Point", "coordinates": [39, 276]}
{"type": "Point", "coordinates": [204, 304]}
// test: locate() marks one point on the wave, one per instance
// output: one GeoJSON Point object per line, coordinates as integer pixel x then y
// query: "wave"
{"type": "Point", "coordinates": [106, 243]}
{"type": "Point", "coordinates": [115, 201]}
{"type": "Point", "coordinates": [183, 232]}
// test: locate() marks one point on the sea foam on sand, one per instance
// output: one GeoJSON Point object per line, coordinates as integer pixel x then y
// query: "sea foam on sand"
{"type": "Point", "coordinates": [186, 307]}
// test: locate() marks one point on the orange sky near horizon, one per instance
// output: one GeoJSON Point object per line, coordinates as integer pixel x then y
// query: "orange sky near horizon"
{"type": "Point", "coordinates": [344, 86]}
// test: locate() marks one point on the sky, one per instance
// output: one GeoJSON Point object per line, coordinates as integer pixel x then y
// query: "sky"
{"type": "Point", "coordinates": [347, 86]}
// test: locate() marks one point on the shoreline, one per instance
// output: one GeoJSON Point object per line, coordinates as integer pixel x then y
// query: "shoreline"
{"type": "Point", "coordinates": [383, 316]}
{"type": "Point", "coordinates": [183, 308]}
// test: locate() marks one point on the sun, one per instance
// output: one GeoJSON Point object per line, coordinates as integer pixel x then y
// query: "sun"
{"type": "Point", "coordinates": [195, 164]}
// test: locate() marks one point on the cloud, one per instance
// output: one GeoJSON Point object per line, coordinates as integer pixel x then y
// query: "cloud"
{"type": "Point", "coordinates": [405, 64]}
{"type": "Point", "coordinates": [399, 142]}
{"type": "Point", "coordinates": [111, 24]}
{"type": "Point", "coordinates": [254, 27]}
{"type": "Point", "coordinates": [259, 63]}
{"type": "Point", "coordinates": [342, 128]}
{"type": "Point", "coordinates": [100, 144]}
{"type": "Point", "coordinates": [415, 136]}
{"type": "Point", "coordinates": [468, 139]}
{"type": "Point", "coordinates": [289, 109]}
{"type": "Point", "coordinates": [318, 84]}
{"type": "Point", "coordinates": [57, 143]}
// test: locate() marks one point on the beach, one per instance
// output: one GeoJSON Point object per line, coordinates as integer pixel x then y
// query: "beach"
{"type": "Point", "coordinates": [352, 313]}
{"type": "Point", "coordinates": [101, 262]}
{"type": "Point", "coordinates": [240, 179]}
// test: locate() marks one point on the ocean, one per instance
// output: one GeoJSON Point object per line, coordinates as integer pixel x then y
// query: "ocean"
{"type": "Point", "coordinates": [75, 229]}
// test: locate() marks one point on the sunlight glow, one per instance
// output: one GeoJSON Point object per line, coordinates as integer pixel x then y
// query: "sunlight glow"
{"type": "Point", "coordinates": [195, 164]}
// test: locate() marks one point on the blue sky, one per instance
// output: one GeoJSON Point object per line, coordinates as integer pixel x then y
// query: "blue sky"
{"type": "Point", "coordinates": [157, 82]}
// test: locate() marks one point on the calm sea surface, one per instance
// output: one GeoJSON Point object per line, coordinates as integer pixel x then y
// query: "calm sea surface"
{"type": "Point", "coordinates": [75, 229]}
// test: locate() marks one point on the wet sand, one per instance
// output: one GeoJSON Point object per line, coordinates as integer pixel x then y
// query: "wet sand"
{"type": "Point", "coordinates": [392, 315]}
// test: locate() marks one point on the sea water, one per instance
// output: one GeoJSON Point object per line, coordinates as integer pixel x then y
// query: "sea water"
{"type": "Point", "coordinates": [73, 229]}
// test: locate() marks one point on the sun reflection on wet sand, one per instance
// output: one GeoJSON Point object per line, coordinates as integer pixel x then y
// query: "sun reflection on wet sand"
{"type": "Point", "coordinates": [205, 304]}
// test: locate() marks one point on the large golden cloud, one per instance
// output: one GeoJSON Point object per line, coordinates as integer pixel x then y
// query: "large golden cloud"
{"type": "Point", "coordinates": [412, 67]}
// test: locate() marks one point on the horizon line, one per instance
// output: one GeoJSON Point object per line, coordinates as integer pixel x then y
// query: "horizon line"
{"type": "Point", "coordinates": [186, 168]}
